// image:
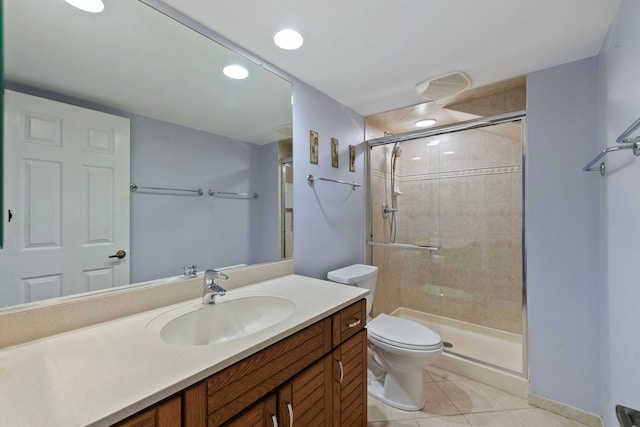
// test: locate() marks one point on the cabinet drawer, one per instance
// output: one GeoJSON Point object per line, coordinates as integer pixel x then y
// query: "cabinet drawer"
{"type": "Point", "coordinates": [238, 386]}
{"type": "Point", "coordinates": [348, 321]}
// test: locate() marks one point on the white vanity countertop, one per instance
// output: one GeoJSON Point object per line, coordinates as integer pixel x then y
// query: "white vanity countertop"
{"type": "Point", "coordinates": [102, 374]}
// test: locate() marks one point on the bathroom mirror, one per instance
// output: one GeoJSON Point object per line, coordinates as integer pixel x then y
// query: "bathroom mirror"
{"type": "Point", "coordinates": [189, 128]}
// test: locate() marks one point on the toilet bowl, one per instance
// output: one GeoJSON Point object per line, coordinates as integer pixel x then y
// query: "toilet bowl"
{"type": "Point", "coordinates": [398, 348]}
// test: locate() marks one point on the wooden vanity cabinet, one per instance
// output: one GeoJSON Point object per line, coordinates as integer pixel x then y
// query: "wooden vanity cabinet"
{"type": "Point", "coordinates": [350, 381]}
{"type": "Point", "coordinates": [261, 414]}
{"type": "Point", "coordinates": [317, 375]}
{"type": "Point", "coordinates": [167, 413]}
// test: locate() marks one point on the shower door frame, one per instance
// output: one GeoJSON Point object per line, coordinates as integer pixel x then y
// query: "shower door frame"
{"type": "Point", "coordinates": [451, 128]}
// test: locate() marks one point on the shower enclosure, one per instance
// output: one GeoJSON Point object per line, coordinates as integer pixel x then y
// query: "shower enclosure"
{"type": "Point", "coordinates": [446, 210]}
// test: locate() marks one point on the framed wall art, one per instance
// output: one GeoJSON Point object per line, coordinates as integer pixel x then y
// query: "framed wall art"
{"type": "Point", "coordinates": [313, 147]}
{"type": "Point", "coordinates": [352, 158]}
{"type": "Point", "coordinates": [334, 152]}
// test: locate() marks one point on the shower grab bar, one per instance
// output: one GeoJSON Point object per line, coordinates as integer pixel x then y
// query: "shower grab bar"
{"type": "Point", "coordinates": [133, 188]}
{"type": "Point", "coordinates": [602, 167]}
{"type": "Point", "coordinates": [624, 136]}
{"type": "Point", "coordinates": [311, 179]}
{"type": "Point", "coordinates": [232, 194]}
{"type": "Point", "coordinates": [405, 245]}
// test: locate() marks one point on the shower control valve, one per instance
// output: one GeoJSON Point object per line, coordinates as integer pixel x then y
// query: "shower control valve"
{"type": "Point", "coordinates": [386, 210]}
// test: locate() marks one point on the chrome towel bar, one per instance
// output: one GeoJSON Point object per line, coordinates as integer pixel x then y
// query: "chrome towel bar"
{"type": "Point", "coordinates": [625, 137]}
{"type": "Point", "coordinates": [405, 245]}
{"type": "Point", "coordinates": [602, 167]}
{"type": "Point", "coordinates": [134, 188]}
{"type": "Point", "coordinates": [311, 179]}
{"type": "Point", "coordinates": [233, 195]}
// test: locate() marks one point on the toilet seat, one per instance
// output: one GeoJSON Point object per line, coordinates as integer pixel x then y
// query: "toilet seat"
{"type": "Point", "coordinates": [403, 333]}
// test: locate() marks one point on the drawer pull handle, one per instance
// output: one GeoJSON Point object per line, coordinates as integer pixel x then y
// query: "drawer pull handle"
{"type": "Point", "coordinates": [354, 324]}
{"type": "Point", "coordinates": [341, 371]}
{"type": "Point", "coordinates": [290, 408]}
{"type": "Point", "coordinates": [275, 420]}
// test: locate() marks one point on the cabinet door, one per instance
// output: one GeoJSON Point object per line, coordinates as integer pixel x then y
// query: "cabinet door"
{"type": "Point", "coordinates": [262, 414]}
{"type": "Point", "coordinates": [165, 414]}
{"type": "Point", "coordinates": [306, 399]}
{"type": "Point", "coordinates": [350, 381]}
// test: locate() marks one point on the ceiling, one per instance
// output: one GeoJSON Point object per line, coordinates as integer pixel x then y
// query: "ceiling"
{"type": "Point", "coordinates": [370, 54]}
{"type": "Point", "coordinates": [133, 59]}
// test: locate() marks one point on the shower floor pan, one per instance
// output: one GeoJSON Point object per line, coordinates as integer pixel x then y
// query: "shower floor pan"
{"type": "Point", "coordinates": [481, 353]}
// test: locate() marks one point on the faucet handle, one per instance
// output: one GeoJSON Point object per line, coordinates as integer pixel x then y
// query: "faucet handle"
{"type": "Point", "coordinates": [191, 270]}
{"type": "Point", "coordinates": [211, 276]}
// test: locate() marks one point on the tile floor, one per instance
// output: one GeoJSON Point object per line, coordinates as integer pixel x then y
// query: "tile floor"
{"type": "Point", "coordinates": [456, 401]}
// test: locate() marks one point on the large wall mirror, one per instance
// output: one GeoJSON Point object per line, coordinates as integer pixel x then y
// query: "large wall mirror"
{"type": "Point", "coordinates": [128, 154]}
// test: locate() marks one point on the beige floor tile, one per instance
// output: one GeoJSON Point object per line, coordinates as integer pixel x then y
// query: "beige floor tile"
{"type": "Point", "coordinates": [535, 417]}
{"type": "Point", "coordinates": [378, 411]}
{"type": "Point", "coordinates": [493, 419]}
{"type": "Point", "coordinates": [507, 400]}
{"type": "Point", "coordinates": [455, 401]}
{"type": "Point", "coordinates": [436, 402]}
{"type": "Point", "coordinates": [450, 421]}
{"type": "Point", "coordinates": [438, 375]}
{"type": "Point", "coordinates": [426, 377]}
{"type": "Point", "coordinates": [399, 423]}
{"type": "Point", "coordinates": [470, 396]}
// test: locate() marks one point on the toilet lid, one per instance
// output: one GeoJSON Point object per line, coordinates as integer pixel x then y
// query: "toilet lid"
{"type": "Point", "coordinates": [403, 333]}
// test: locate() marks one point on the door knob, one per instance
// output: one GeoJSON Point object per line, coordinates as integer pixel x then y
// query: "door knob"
{"type": "Point", "coordinates": [120, 254]}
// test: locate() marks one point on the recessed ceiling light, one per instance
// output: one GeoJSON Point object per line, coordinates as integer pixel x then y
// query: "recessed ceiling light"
{"type": "Point", "coordinates": [288, 39]}
{"type": "Point", "coordinates": [425, 123]}
{"type": "Point", "coordinates": [93, 6]}
{"type": "Point", "coordinates": [235, 72]}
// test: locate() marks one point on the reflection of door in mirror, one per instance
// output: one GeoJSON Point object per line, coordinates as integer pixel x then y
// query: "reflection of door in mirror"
{"type": "Point", "coordinates": [68, 171]}
{"type": "Point", "coordinates": [286, 198]}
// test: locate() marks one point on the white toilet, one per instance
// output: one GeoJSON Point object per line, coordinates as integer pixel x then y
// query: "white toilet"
{"type": "Point", "coordinates": [398, 348]}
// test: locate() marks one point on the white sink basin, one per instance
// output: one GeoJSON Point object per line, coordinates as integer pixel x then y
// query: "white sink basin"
{"type": "Point", "coordinates": [231, 317]}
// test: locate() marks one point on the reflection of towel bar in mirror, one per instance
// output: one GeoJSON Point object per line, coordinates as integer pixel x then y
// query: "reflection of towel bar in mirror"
{"type": "Point", "coordinates": [233, 195]}
{"type": "Point", "coordinates": [134, 188]}
{"type": "Point", "coordinates": [311, 180]}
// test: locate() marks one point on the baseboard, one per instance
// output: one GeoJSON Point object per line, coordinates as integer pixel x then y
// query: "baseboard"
{"type": "Point", "coordinates": [567, 411]}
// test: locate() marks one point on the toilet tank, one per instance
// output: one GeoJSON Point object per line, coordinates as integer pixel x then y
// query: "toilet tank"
{"type": "Point", "coordinates": [360, 275]}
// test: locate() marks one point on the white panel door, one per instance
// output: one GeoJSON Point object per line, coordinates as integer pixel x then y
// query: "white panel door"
{"type": "Point", "coordinates": [66, 173]}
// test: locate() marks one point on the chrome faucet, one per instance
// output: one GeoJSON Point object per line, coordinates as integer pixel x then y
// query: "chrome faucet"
{"type": "Point", "coordinates": [211, 286]}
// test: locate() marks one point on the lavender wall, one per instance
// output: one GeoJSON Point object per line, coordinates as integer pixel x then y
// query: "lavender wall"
{"type": "Point", "coordinates": [168, 232]}
{"type": "Point", "coordinates": [328, 218]}
{"type": "Point", "coordinates": [562, 223]}
{"type": "Point", "coordinates": [620, 104]}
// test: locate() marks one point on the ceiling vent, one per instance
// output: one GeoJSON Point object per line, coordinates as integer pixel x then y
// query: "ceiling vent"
{"type": "Point", "coordinates": [443, 86]}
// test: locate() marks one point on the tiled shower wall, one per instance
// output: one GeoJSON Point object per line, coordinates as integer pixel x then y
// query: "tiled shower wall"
{"type": "Point", "coordinates": [463, 192]}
